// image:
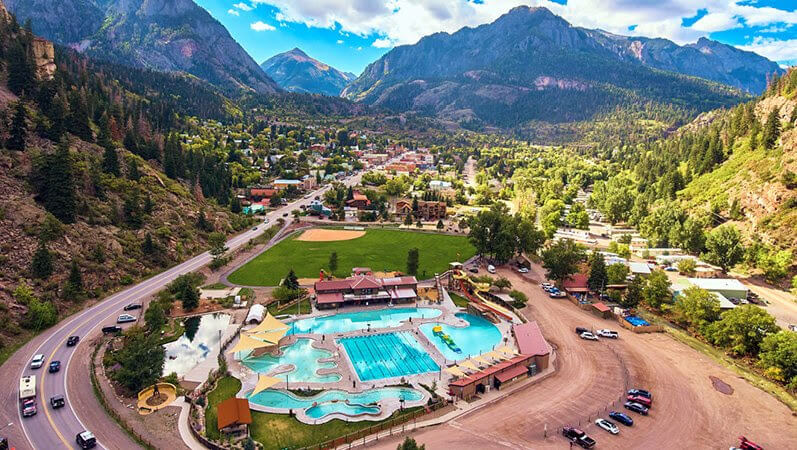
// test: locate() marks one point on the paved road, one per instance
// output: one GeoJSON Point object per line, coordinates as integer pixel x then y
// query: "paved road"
{"type": "Point", "coordinates": [51, 429]}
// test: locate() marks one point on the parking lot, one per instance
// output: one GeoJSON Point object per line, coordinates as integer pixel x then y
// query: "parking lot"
{"type": "Point", "coordinates": [590, 380]}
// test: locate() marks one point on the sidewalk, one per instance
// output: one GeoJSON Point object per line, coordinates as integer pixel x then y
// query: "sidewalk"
{"type": "Point", "coordinates": [183, 424]}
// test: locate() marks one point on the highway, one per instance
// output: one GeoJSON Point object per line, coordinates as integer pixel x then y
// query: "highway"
{"type": "Point", "coordinates": [52, 429]}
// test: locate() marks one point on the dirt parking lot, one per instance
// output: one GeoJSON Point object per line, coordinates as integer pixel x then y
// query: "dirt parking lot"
{"type": "Point", "coordinates": [688, 412]}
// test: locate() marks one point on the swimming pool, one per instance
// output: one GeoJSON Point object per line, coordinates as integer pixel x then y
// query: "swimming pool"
{"type": "Point", "coordinates": [361, 320]}
{"type": "Point", "coordinates": [335, 401]}
{"type": "Point", "coordinates": [636, 321]}
{"type": "Point", "coordinates": [387, 355]}
{"type": "Point", "coordinates": [478, 337]}
{"type": "Point", "coordinates": [201, 338]}
{"type": "Point", "coordinates": [303, 356]}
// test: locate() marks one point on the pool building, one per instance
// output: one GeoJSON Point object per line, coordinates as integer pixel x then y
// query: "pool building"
{"type": "Point", "coordinates": [364, 289]}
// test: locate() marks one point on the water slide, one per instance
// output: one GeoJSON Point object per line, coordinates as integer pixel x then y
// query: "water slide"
{"type": "Point", "coordinates": [476, 297]}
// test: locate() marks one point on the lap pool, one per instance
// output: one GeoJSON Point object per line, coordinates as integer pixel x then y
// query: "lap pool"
{"type": "Point", "coordinates": [304, 359]}
{"type": "Point", "coordinates": [361, 320]}
{"type": "Point", "coordinates": [387, 355]}
{"type": "Point", "coordinates": [335, 401]}
{"type": "Point", "coordinates": [478, 337]}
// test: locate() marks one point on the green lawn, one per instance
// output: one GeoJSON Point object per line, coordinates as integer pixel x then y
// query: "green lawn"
{"type": "Point", "coordinates": [226, 388]}
{"type": "Point", "coordinates": [378, 249]}
{"type": "Point", "coordinates": [302, 308]}
{"type": "Point", "coordinates": [459, 300]}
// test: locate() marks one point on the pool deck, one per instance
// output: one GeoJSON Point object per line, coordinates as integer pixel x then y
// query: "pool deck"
{"type": "Point", "coordinates": [350, 381]}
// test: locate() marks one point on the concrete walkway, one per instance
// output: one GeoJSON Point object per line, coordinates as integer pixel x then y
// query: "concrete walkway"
{"type": "Point", "coordinates": [183, 424]}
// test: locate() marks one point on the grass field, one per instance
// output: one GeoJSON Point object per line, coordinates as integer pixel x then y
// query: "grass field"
{"type": "Point", "coordinates": [378, 249]}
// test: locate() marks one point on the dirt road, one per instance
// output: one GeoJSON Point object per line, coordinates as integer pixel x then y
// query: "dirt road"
{"type": "Point", "coordinates": [591, 377]}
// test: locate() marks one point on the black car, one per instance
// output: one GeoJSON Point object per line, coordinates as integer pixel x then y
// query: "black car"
{"type": "Point", "coordinates": [86, 440]}
{"type": "Point", "coordinates": [132, 306]}
{"type": "Point", "coordinates": [72, 341]}
{"type": "Point", "coordinates": [57, 401]}
{"type": "Point", "coordinates": [112, 329]}
{"type": "Point", "coordinates": [641, 393]}
{"type": "Point", "coordinates": [636, 407]}
{"type": "Point", "coordinates": [622, 418]}
{"type": "Point", "coordinates": [55, 366]}
{"type": "Point", "coordinates": [578, 436]}
{"type": "Point", "coordinates": [580, 330]}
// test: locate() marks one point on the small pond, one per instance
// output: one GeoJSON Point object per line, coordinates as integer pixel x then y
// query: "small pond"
{"type": "Point", "coordinates": [200, 340]}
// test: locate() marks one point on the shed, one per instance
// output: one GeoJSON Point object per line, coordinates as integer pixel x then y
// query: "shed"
{"type": "Point", "coordinates": [256, 314]}
{"type": "Point", "coordinates": [234, 415]}
{"type": "Point", "coordinates": [639, 268]}
{"type": "Point", "coordinates": [728, 287]}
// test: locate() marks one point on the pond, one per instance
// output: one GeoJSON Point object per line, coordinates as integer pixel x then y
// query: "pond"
{"type": "Point", "coordinates": [201, 339]}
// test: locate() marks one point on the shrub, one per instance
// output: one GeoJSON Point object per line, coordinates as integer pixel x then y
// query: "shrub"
{"type": "Point", "coordinates": [520, 299]}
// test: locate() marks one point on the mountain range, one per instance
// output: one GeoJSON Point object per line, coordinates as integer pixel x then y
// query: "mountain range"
{"type": "Point", "coordinates": [294, 71]}
{"type": "Point", "coordinates": [165, 35]}
{"type": "Point", "coordinates": [531, 65]}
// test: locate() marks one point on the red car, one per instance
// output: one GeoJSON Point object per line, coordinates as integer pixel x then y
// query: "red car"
{"type": "Point", "coordinates": [644, 401]}
{"type": "Point", "coordinates": [746, 444]}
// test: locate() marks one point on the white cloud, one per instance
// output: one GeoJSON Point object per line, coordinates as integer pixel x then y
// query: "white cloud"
{"type": "Point", "coordinates": [233, 12]}
{"type": "Point", "coordinates": [774, 49]}
{"type": "Point", "coordinates": [261, 26]}
{"type": "Point", "coordinates": [359, 49]}
{"type": "Point", "coordinates": [716, 22]}
{"type": "Point", "coordinates": [243, 6]}
{"type": "Point", "coordinates": [383, 43]}
{"type": "Point", "coordinates": [340, 41]}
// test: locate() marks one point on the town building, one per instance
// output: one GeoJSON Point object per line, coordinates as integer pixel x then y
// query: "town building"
{"type": "Point", "coordinates": [427, 210]}
{"type": "Point", "coordinates": [359, 201]}
{"type": "Point", "coordinates": [361, 289]}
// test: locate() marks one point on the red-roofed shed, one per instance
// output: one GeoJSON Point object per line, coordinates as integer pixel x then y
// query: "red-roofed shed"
{"type": "Point", "coordinates": [577, 283]}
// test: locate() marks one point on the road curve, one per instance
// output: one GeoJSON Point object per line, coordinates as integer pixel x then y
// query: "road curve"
{"type": "Point", "coordinates": [51, 429]}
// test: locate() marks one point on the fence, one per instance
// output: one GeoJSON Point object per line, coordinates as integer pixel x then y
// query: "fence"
{"type": "Point", "coordinates": [396, 425]}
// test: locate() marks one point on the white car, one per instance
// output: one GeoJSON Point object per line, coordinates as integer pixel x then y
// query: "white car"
{"type": "Point", "coordinates": [607, 425]}
{"type": "Point", "coordinates": [523, 270]}
{"type": "Point", "coordinates": [588, 336]}
{"type": "Point", "coordinates": [608, 334]}
{"type": "Point", "coordinates": [37, 361]}
{"type": "Point", "coordinates": [125, 318]}
{"type": "Point", "coordinates": [546, 285]}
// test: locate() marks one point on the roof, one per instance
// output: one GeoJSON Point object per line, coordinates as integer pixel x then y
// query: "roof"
{"type": "Point", "coordinates": [365, 282]}
{"type": "Point", "coordinates": [256, 312]}
{"type": "Point", "coordinates": [578, 280]}
{"type": "Point", "coordinates": [233, 411]}
{"type": "Point", "coordinates": [490, 371]}
{"type": "Point", "coordinates": [639, 267]}
{"type": "Point", "coordinates": [332, 297]}
{"type": "Point", "coordinates": [398, 281]}
{"type": "Point", "coordinates": [530, 340]}
{"type": "Point", "coordinates": [724, 302]}
{"type": "Point", "coordinates": [287, 181]}
{"type": "Point", "coordinates": [601, 307]}
{"type": "Point", "coordinates": [718, 284]}
{"type": "Point", "coordinates": [397, 293]}
{"type": "Point", "coordinates": [260, 192]}
{"type": "Point", "coordinates": [511, 373]}
{"type": "Point", "coordinates": [331, 285]}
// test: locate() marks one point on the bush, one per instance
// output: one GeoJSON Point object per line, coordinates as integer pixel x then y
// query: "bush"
{"type": "Point", "coordinates": [687, 266]}
{"type": "Point", "coordinates": [520, 299]}
{"type": "Point", "coordinates": [286, 294]}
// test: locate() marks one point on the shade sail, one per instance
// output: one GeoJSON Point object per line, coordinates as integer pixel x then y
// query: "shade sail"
{"type": "Point", "coordinates": [270, 323]}
{"type": "Point", "coordinates": [506, 350]}
{"type": "Point", "coordinates": [263, 383]}
{"type": "Point", "coordinates": [481, 360]}
{"type": "Point", "coordinates": [468, 365]}
{"type": "Point", "coordinates": [247, 343]}
{"type": "Point", "coordinates": [454, 370]}
{"type": "Point", "coordinates": [272, 337]}
{"type": "Point", "coordinates": [495, 355]}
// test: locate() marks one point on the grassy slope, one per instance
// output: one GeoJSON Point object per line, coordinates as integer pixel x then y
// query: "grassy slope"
{"type": "Point", "coordinates": [378, 249]}
{"type": "Point", "coordinates": [226, 388]}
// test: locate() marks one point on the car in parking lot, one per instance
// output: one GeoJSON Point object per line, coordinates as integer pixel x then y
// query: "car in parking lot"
{"type": "Point", "coordinates": [622, 418]}
{"type": "Point", "coordinates": [523, 270]}
{"type": "Point", "coordinates": [113, 329]}
{"type": "Point", "coordinates": [579, 437]}
{"type": "Point", "coordinates": [607, 425]}
{"type": "Point", "coordinates": [57, 401]}
{"type": "Point", "coordinates": [636, 407]}
{"type": "Point", "coordinates": [671, 269]}
{"type": "Point", "coordinates": [72, 341]}
{"type": "Point", "coordinates": [55, 366]}
{"type": "Point", "coordinates": [580, 330]}
{"type": "Point", "coordinates": [556, 293]}
{"type": "Point", "coordinates": [86, 440]}
{"type": "Point", "coordinates": [37, 361]}
{"type": "Point", "coordinates": [28, 407]}
{"type": "Point", "coordinates": [132, 306]}
{"type": "Point", "coordinates": [588, 336]}
{"type": "Point", "coordinates": [644, 401]}
{"type": "Point", "coordinates": [641, 393]}
{"type": "Point", "coordinates": [611, 334]}
{"type": "Point", "coordinates": [474, 270]}
{"type": "Point", "coordinates": [124, 318]}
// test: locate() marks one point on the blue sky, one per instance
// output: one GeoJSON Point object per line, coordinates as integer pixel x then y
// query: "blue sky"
{"type": "Point", "coordinates": [349, 34]}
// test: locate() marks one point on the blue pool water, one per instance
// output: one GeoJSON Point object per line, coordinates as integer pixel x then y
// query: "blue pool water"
{"type": "Point", "coordinates": [305, 359]}
{"type": "Point", "coordinates": [387, 355]}
{"type": "Point", "coordinates": [636, 321]}
{"type": "Point", "coordinates": [345, 322]}
{"type": "Point", "coordinates": [333, 401]}
{"type": "Point", "coordinates": [478, 337]}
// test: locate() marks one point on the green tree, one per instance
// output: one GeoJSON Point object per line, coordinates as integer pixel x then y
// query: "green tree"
{"type": "Point", "coordinates": [21, 71]}
{"type": "Point", "coordinates": [698, 307]}
{"type": "Point", "coordinates": [616, 273]}
{"type": "Point", "coordinates": [291, 280]}
{"type": "Point", "coordinates": [333, 262]}
{"type": "Point", "coordinates": [775, 263]}
{"type": "Point", "coordinates": [148, 246]}
{"type": "Point", "coordinates": [140, 360]}
{"type": "Point", "coordinates": [598, 279]}
{"type": "Point", "coordinates": [634, 294]}
{"type": "Point", "coordinates": [771, 131]}
{"type": "Point", "coordinates": [190, 297]}
{"type": "Point", "coordinates": [778, 354]}
{"type": "Point", "coordinates": [218, 245]}
{"type": "Point", "coordinates": [561, 259]}
{"type": "Point", "coordinates": [110, 161]}
{"type": "Point", "coordinates": [408, 219]}
{"type": "Point", "coordinates": [657, 289]}
{"type": "Point", "coordinates": [40, 314]}
{"type": "Point", "coordinates": [520, 299]}
{"type": "Point", "coordinates": [412, 261]}
{"type": "Point", "coordinates": [19, 128]}
{"type": "Point", "coordinates": [53, 180]}
{"type": "Point", "coordinates": [50, 228]}
{"type": "Point", "coordinates": [724, 247]}
{"type": "Point", "coordinates": [502, 283]}
{"type": "Point", "coordinates": [155, 316]}
{"type": "Point", "coordinates": [73, 289]}
{"type": "Point", "coordinates": [528, 238]}
{"type": "Point", "coordinates": [410, 444]}
{"type": "Point", "coordinates": [687, 266]}
{"type": "Point", "coordinates": [742, 329]}
{"type": "Point", "coordinates": [41, 265]}
{"type": "Point", "coordinates": [440, 225]}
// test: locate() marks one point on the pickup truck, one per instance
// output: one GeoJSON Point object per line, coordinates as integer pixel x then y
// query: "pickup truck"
{"type": "Point", "coordinates": [578, 437]}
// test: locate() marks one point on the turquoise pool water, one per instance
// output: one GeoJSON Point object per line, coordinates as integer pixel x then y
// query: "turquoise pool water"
{"type": "Point", "coordinates": [335, 401]}
{"type": "Point", "coordinates": [305, 359]}
{"type": "Point", "coordinates": [387, 355]}
{"type": "Point", "coordinates": [478, 337]}
{"type": "Point", "coordinates": [345, 322]}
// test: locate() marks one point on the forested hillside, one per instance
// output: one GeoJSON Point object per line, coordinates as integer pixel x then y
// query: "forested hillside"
{"type": "Point", "coordinates": [95, 189]}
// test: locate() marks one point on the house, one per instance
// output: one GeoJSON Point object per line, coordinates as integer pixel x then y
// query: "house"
{"type": "Point", "coordinates": [432, 210]}
{"type": "Point", "coordinates": [576, 284]}
{"type": "Point", "coordinates": [359, 201]}
{"type": "Point", "coordinates": [531, 342]}
{"type": "Point", "coordinates": [639, 268]}
{"type": "Point", "coordinates": [258, 194]}
{"type": "Point", "coordinates": [284, 184]}
{"type": "Point", "coordinates": [403, 207]}
{"type": "Point", "coordinates": [362, 289]}
{"type": "Point", "coordinates": [438, 185]}
{"type": "Point", "coordinates": [493, 377]}
{"type": "Point", "coordinates": [319, 208]}
{"type": "Point", "coordinates": [233, 416]}
{"type": "Point", "coordinates": [728, 287]}
{"type": "Point", "coordinates": [309, 183]}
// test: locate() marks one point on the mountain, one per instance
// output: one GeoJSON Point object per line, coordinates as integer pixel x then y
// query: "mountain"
{"type": "Point", "coordinates": [529, 65]}
{"type": "Point", "coordinates": [296, 72]}
{"type": "Point", "coordinates": [165, 35]}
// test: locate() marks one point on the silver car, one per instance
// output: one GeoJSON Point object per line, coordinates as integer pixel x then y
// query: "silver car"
{"type": "Point", "coordinates": [607, 425]}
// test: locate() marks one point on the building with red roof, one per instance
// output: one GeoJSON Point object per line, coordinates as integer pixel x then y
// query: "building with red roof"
{"type": "Point", "coordinates": [530, 341]}
{"type": "Point", "coordinates": [576, 283]}
{"type": "Point", "coordinates": [362, 288]}
{"type": "Point", "coordinates": [492, 377]}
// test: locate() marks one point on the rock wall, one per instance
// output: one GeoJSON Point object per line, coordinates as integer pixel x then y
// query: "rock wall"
{"type": "Point", "coordinates": [44, 56]}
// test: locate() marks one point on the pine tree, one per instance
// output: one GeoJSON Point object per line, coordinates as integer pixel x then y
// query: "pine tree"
{"type": "Point", "coordinates": [190, 297]}
{"type": "Point", "coordinates": [78, 119]}
{"type": "Point", "coordinates": [42, 264]}
{"type": "Point", "coordinates": [73, 288]}
{"type": "Point", "coordinates": [21, 73]}
{"type": "Point", "coordinates": [110, 161]}
{"type": "Point", "coordinates": [132, 169]}
{"type": "Point", "coordinates": [771, 129]}
{"type": "Point", "coordinates": [148, 246]}
{"type": "Point", "coordinates": [57, 113]}
{"type": "Point", "coordinates": [19, 131]}
{"type": "Point", "coordinates": [53, 179]}
{"type": "Point", "coordinates": [291, 280]}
